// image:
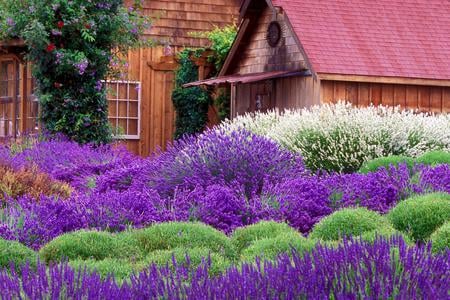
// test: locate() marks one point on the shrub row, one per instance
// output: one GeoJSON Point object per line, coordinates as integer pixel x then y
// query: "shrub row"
{"type": "Point", "coordinates": [420, 218]}
{"type": "Point", "coordinates": [401, 273]}
{"type": "Point", "coordinates": [432, 158]}
{"type": "Point", "coordinates": [196, 180]}
{"type": "Point", "coordinates": [339, 137]}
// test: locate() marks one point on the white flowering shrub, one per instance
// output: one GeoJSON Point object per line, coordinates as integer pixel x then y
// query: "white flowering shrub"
{"type": "Point", "coordinates": [339, 137]}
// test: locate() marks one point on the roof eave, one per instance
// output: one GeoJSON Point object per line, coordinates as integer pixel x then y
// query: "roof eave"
{"type": "Point", "coordinates": [384, 79]}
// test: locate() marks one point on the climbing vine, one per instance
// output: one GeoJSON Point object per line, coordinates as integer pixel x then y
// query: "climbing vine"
{"type": "Point", "coordinates": [191, 104]}
{"type": "Point", "coordinates": [72, 44]}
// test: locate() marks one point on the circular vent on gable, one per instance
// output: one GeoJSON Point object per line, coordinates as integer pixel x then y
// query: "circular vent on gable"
{"type": "Point", "coordinates": [274, 33]}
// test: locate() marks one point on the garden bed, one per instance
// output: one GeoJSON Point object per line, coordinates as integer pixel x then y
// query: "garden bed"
{"type": "Point", "coordinates": [212, 215]}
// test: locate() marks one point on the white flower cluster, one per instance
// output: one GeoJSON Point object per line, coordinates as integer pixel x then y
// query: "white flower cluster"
{"type": "Point", "coordinates": [340, 137]}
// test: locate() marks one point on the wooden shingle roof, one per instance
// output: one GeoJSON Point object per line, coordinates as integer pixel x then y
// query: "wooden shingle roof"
{"type": "Point", "coordinates": [398, 38]}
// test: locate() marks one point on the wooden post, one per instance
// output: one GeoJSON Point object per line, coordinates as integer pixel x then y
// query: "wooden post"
{"type": "Point", "coordinates": [15, 89]}
{"type": "Point", "coordinates": [23, 97]}
{"type": "Point", "coordinates": [233, 101]}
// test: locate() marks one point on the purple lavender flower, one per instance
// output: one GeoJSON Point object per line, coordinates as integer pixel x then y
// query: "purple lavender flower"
{"type": "Point", "coordinates": [98, 86]}
{"type": "Point", "coordinates": [59, 57]}
{"type": "Point", "coordinates": [10, 22]}
{"type": "Point", "coordinates": [82, 66]}
{"type": "Point", "coordinates": [56, 32]}
{"type": "Point", "coordinates": [354, 270]}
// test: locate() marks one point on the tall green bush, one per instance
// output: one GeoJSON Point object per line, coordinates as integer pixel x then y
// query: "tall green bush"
{"type": "Point", "coordinates": [191, 104]}
{"type": "Point", "coordinates": [71, 44]}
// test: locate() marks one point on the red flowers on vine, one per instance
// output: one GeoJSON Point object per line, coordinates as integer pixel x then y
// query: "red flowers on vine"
{"type": "Point", "coordinates": [50, 47]}
{"type": "Point", "coordinates": [60, 24]}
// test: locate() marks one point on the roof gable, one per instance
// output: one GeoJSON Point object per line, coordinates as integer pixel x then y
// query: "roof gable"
{"type": "Point", "coordinates": [251, 52]}
{"type": "Point", "coordinates": [393, 38]}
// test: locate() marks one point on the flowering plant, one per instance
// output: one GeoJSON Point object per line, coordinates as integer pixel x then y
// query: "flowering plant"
{"type": "Point", "coordinates": [70, 43]}
{"type": "Point", "coordinates": [339, 137]}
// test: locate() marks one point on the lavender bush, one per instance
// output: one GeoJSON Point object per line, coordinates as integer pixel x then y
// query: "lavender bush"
{"type": "Point", "coordinates": [240, 160]}
{"type": "Point", "coordinates": [355, 269]}
{"type": "Point", "coordinates": [301, 202]}
{"type": "Point", "coordinates": [68, 161]}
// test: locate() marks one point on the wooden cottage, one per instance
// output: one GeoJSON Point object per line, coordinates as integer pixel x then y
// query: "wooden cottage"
{"type": "Point", "coordinates": [298, 53]}
{"type": "Point", "coordinates": [140, 104]}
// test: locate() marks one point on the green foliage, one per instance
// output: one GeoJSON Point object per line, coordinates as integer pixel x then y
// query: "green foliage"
{"type": "Point", "coordinates": [221, 39]}
{"type": "Point", "coordinates": [197, 256]}
{"type": "Point", "coordinates": [191, 104]}
{"type": "Point", "coordinates": [320, 153]}
{"type": "Point", "coordinates": [70, 44]}
{"type": "Point", "coordinates": [441, 238]}
{"type": "Point", "coordinates": [122, 269]}
{"type": "Point", "coordinates": [222, 102]}
{"type": "Point", "coordinates": [386, 233]}
{"type": "Point", "coordinates": [386, 162]}
{"type": "Point", "coordinates": [245, 236]}
{"type": "Point", "coordinates": [83, 245]}
{"type": "Point", "coordinates": [420, 216]}
{"type": "Point", "coordinates": [167, 236]}
{"type": "Point", "coordinates": [270, 248]}
{"type": "Point", "coordinates": [434, 158]}
{"type": "Point", "coordinates": [15, 253]}
{"type": "Point", "coordinates": [348, 222]}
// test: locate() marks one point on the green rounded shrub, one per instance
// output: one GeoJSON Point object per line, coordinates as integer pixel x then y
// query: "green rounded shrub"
{"type": "Point", "coordinates": [197, 256]}
{"type": "Point", "coordinates": [386, 233]}
{"type": "Point", "coordinates": [420, 216]}
{"type": "Point", "coordinates": [243, 237]}
{"type": "Point", "coordinates": [271, 248]}
{"type": "Point", "coordinates": [17, 254]}
{"type": "Point", "coordinates": [434, 158]}
{"type": "Point", "coordinates": [121, 269]}
{"type": "Point", "coordinates": [348, 222]}
{"type": "Point", "coordinates": [441, 238]}
{"type": "Point", "coordinates": [167, 236]}
{"type": "Point", "coordinates": [84, 245]}
{"type": "Point", "coordinates": [385, 162]}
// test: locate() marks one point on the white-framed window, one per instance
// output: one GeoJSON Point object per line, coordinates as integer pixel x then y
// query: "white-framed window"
{"type": "Point", "coordinates": [124, 105]}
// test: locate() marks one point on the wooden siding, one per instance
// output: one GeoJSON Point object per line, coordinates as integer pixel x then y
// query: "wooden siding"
{"type": "Point", "coordinates": [422, 98]}
{"type": "Point", "coordinates": [255, 55]}
{"type": "Point", "coordinates": [177, 19]}
{"type": "Point", "coordinates": [155, 72]}
{"type": "Point", "coordinates": [282, 93]}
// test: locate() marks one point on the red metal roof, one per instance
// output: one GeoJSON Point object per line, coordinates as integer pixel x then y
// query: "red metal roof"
{"type": "Point", "coordinates": [247, 78]}
{"type": "Point", "coordinates": [399, 38]}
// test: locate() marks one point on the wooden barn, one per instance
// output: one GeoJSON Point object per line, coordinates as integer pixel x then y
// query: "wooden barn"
{"type": "Point", "coordinates": [298, 53]}
{"type": "Point", "coordinates": [140, 104]}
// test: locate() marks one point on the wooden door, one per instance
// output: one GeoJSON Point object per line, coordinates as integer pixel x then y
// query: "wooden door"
{"type": "Point", "coordinates": [261, 96]}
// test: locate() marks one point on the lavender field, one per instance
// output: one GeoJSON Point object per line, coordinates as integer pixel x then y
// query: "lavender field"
{"type": "Point", "coordinates": [233, 213]}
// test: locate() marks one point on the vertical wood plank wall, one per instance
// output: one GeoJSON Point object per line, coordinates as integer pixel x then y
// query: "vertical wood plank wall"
{"type": "Point", "coordinates": [157, 113]}
{"type": "Point", "coordinates": [175, 22]}
{"type": "Point", "coordinates": [282, 93]}
{"type": "Point", "coordinates": [423, 98]}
